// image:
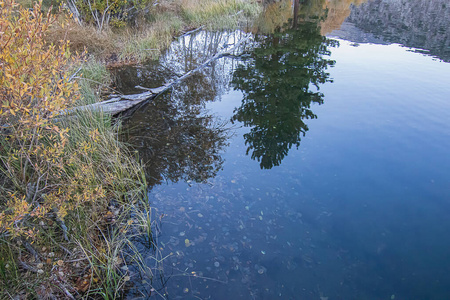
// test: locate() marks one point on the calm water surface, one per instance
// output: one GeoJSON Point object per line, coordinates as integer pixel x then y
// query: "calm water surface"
{"type": "Point", "coordinates": [313, 164]}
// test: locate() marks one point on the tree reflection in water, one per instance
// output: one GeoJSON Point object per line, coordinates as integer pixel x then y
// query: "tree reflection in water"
{"type": "Point", "coordinates": [280, 80]}
{"type": "Point", "coordinates": [180, 143]}
{"type": "Point", "coordinates": [174, 135]}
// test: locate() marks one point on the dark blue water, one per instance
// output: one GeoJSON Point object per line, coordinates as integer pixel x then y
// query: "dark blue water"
{"type": "Point", "coordinates": [348, 199]}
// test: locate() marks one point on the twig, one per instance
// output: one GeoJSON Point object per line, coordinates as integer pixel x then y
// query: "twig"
{"type": "Point", "coordinates": [75, 74]}
{"type": "Point", "coordinates": [62, 225]}
{"type": "Point", "coordinates": [238, 13]}
{"type": "Point", "coordinates": [125, 102]}
{"type": "Point", "coordinates": [31, 250]}
{"type": "Point", "coordinates": [191, 31]}
{"type": "Point", "coordinates": [98, 82]}
{"type": "Point", "coordinates": [75, 260]}
{"type": "Point", "coordinates": [62, 247]}
{"type": "Point", "coordinates": [27, 267]}
{"type": "Point", "coordinates": [68, 294]}
{"type": "Point", "coordinates": [37, 188]}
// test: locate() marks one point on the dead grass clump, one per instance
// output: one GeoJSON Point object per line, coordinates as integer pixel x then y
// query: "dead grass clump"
{"type": "Point", "coordinates": [99, 44]}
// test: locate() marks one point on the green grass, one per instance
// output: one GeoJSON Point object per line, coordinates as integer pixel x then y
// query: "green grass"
{"type": "Point", "coordinates": [119, 172]}
{"type": "Point", "coordinates": [95, 247]}
{"type": "Point", "coordinates": [149, 42]}
{"type": "Point", "coordinates": [92, 77]}
{"type": "Point", "coordinates": [217, 14]}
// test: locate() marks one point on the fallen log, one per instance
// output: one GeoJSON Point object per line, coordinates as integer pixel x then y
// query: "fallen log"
{"type": "Point", "coordinates": [120, 103]}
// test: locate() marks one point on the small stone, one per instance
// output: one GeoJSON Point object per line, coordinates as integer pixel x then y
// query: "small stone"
{"type": "Point", "coordinates": [40, 265]}
{"type": "Point", "coordinates": [200, 215]}
{"type": "Point", "coordinates": [40, 271]}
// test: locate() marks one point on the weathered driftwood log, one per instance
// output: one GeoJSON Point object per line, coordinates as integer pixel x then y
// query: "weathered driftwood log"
{"type": "Point", "coordinates": [121, 103]}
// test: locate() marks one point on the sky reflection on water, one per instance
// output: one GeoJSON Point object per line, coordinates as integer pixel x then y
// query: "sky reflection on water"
{"type": "Point", "coordinates": [358, 211]}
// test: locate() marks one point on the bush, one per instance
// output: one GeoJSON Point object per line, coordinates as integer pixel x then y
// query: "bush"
{"type": "Point", "coordinates": [34, 87]}
{"type": "Point", "coordinates": [64, 180]}
{"type": "Point", "coordinates": [101, 13]}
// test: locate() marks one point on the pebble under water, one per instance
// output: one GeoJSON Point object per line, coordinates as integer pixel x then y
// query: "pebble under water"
{"type": "Point", "coordinates": [313, 164]}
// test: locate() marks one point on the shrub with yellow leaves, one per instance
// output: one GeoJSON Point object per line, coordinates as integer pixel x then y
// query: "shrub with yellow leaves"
{"type": "Point", "coordinates": [34, 88]}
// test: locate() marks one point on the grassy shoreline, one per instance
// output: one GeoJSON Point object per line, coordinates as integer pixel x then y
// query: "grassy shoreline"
{"type": "Point", "coordinates": [72, 196]}
{"type": "Point", "coordinates": [155, 30]}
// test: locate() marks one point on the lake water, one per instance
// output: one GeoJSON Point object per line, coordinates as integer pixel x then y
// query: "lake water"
{"type": "Point", "coordinates": [312, 164]}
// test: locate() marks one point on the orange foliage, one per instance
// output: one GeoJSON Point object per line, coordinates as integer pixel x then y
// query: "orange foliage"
{"type": "Point", "coordinates": [274, 16]}
{"type": "Point", "coordinates": [278, 13]}
{"type": "Point", "coordinates": [34, 87]}
{"type": "Point", "coordinates": [338, 11]}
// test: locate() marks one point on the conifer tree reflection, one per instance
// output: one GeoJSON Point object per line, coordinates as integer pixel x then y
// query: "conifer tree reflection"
{"type": "Point", "coordinates": [175, 137]}
{"type": "Point", "coordinates": [280, 81]}
{"type": "Point", "coordinates": [176, 140]}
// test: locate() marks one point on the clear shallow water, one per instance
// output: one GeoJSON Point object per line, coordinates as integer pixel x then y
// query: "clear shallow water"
{"type": "Point", "coordinates": [358, 211]}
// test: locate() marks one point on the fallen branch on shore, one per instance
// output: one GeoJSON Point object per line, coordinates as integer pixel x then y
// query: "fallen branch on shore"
{"type": "Point", "coordinates": [121, 103]}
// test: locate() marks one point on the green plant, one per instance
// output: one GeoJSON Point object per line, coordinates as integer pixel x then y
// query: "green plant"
{"type": "Point", "coordinates": [60, 175]}
{"type": "Point", "coordinates": [102, 12]}
{"type": "Point", "coordinates": [216, 14]}
{"type": "Point", "coordinates": [34, 87]}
